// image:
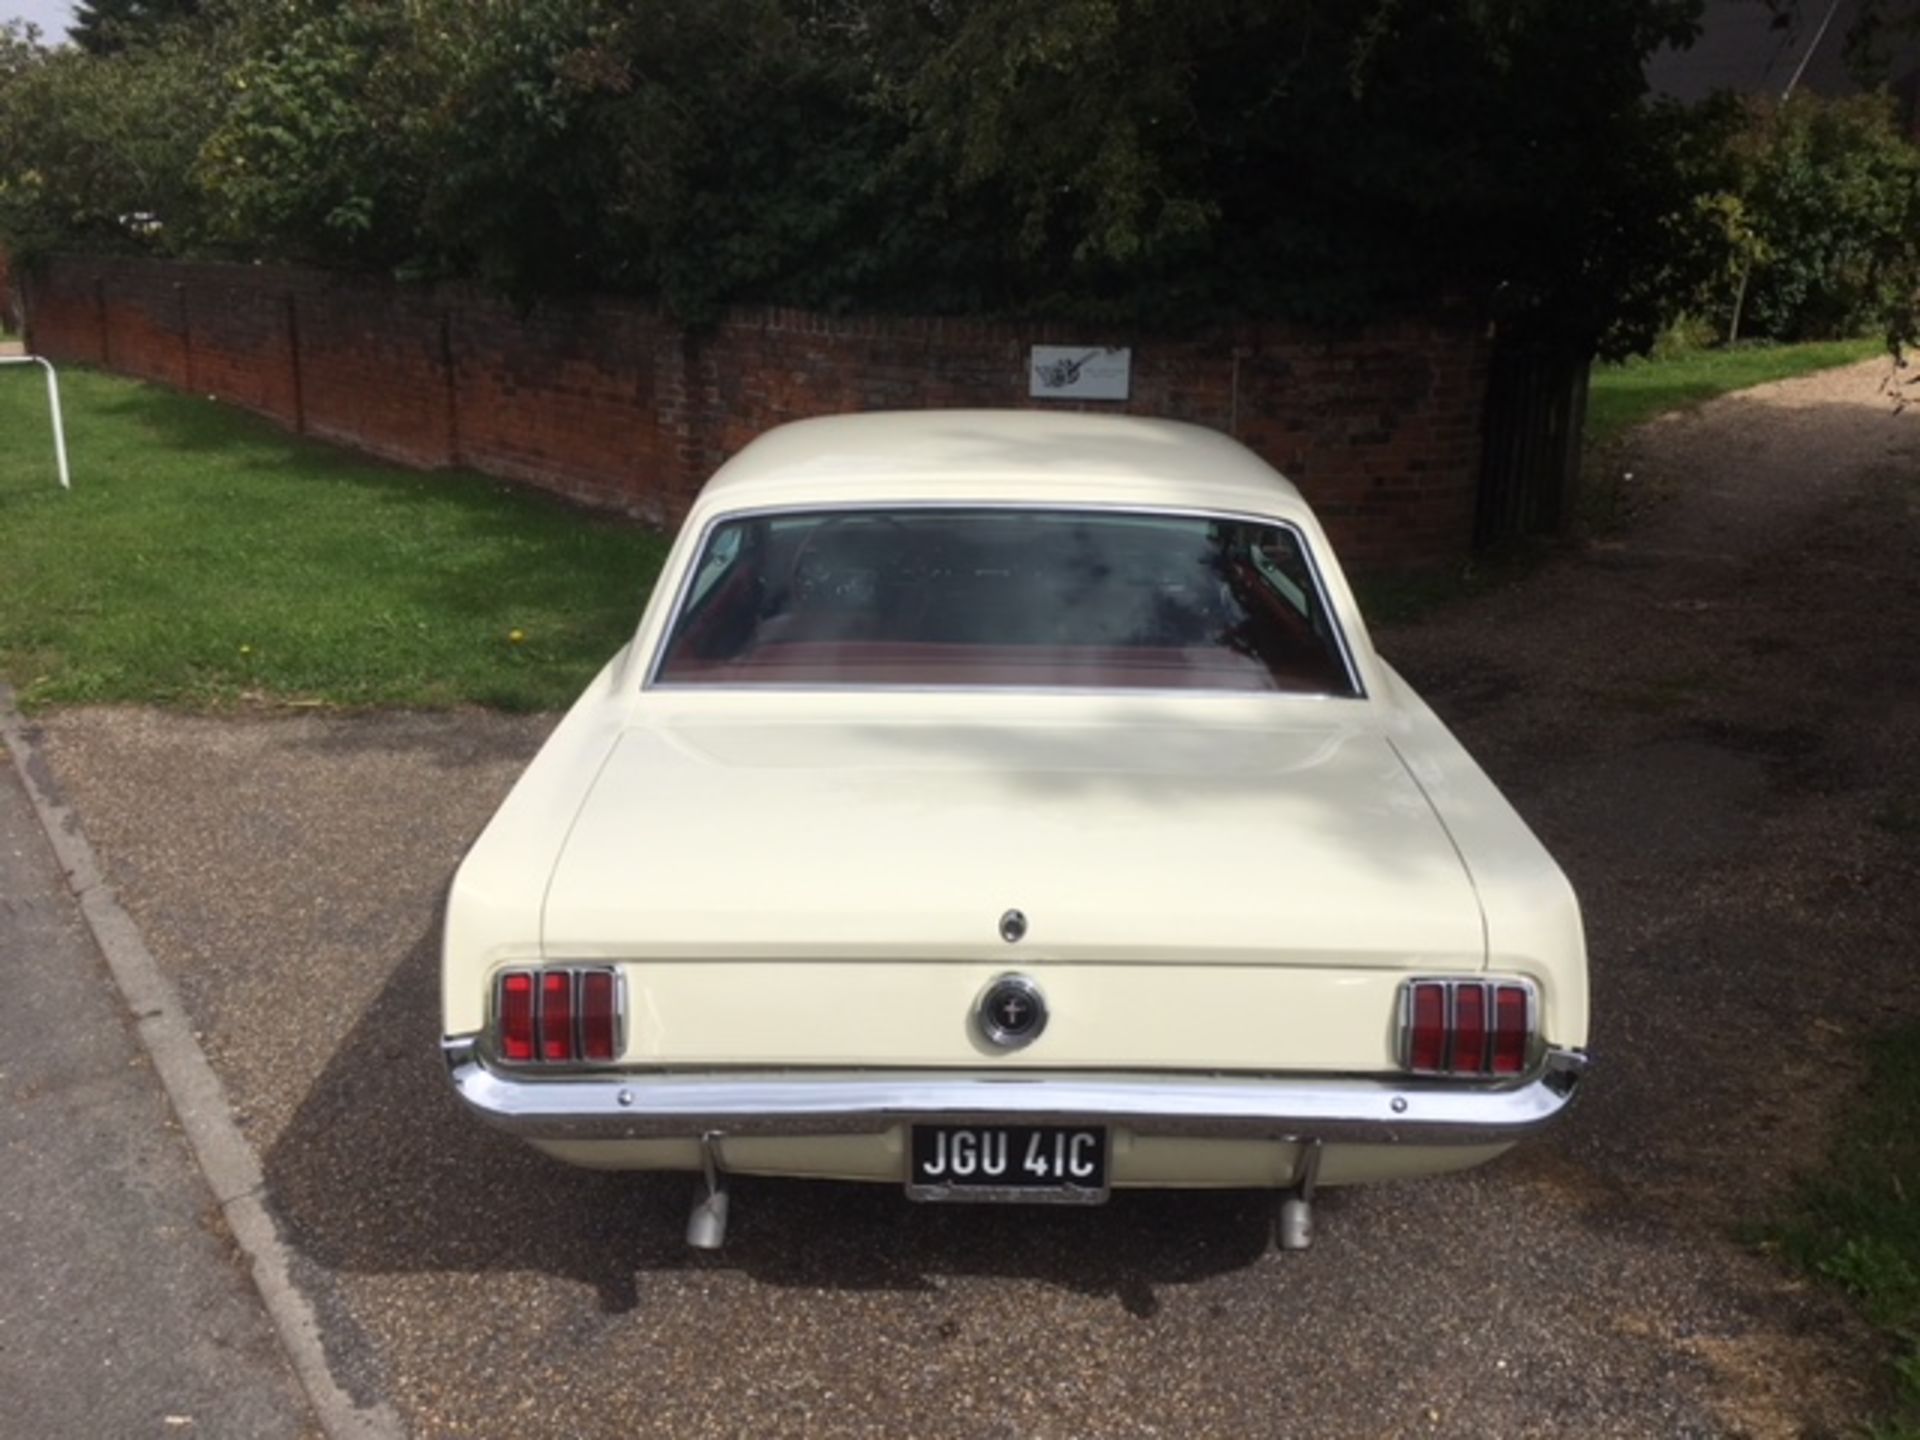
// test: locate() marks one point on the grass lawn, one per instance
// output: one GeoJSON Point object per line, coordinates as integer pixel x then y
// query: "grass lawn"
{"type": "Point", "coordinates": [206, 557]}
{"type": "Point", "coordinates": [1858, 1222]}
{"type": "Point", "coordinates": [1634, 391]}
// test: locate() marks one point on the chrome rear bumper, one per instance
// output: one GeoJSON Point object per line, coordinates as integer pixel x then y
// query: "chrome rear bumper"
{"type": "Point", "coordinates": [639, 1105]}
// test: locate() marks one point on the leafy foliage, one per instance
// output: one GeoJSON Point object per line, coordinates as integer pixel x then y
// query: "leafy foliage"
{"type": "Point", "coordinates": [315, 154]}
{"type": "Point", "coordinates": [1174, 160]}
{"type": "Point", "coordinates": [1319, 158]}
{"type": "Point", "coordinates": [700, 152]}
{"type": "Point", "coordinates": [106, 26]}
{"type": "Point", "coordinates": [99, 150]}
{"type": "Point", "coordinates": [1823, 220]}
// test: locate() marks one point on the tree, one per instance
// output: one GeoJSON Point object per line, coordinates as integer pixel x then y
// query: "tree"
{"type": "Point", "coordinates": [86, 159]}
{"type": "Point", "coordinates": [1321, 157]}
{"type": "Point", "coordinates": [103, 27]}
{"type": "Point", "coordinates": [703, 152]}
{"type": "Point", "coordinates": [1173, 161]}
{"type": "Point", "coordinates": [1830, 193]}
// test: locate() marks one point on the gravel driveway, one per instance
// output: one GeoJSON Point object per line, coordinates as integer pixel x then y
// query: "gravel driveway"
{"type": "Point", "coordinates": [1713, 723]}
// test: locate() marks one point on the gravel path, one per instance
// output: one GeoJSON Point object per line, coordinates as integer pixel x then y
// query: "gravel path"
{"type": "Point", "coordinates": [1713, 722]}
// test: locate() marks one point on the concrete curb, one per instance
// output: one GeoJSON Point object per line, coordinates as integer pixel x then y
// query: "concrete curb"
{"type": "Point", "coordinates": [196, 1094]}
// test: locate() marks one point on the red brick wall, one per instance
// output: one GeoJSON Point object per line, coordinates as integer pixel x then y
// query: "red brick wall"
{"type": "Point", "coordinates": [240, 341]}
{"type": "Point", "coordinates": [565, 397]}
{"type": "Point", "coordinates": [613, 405]}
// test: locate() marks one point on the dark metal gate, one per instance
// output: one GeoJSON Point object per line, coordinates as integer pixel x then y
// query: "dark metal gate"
{"type": "Point", "coordinates": [1530, 454]}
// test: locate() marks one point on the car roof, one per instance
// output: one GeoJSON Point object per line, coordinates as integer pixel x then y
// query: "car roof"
{"type": "Point", "coordinates": [957, 456]}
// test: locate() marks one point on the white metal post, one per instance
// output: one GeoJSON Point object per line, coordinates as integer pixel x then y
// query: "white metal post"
{"type": "Point", "coordinates": [53, 404]}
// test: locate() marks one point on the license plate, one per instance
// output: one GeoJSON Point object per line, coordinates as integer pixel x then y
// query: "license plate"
{"type": "Point", "coordinates": [1062, 1164]}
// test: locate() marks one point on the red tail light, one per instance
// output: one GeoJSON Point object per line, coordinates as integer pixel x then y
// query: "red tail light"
{"type": "Point", "coordinates": [599, 1016]}
{"type": "Point", "coordinates": [1466, 1027]}
{"type": "Point", "coordinates": [516, 1015]}
{"type": "Point", "coordinates": [1427, 1036]}
{"type": "Point", "coordinates": [556, 1015]}
{"type": "Point", "coordinates": [1469, 1029]}
{"type": "Point", "coordinates": [559, 1016]}
{"type": "Point", "coordinates": [1510, 1035]}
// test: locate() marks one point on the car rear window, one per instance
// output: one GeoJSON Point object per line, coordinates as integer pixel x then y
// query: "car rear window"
{"type": "Point", "coordinates": [1005, 597]}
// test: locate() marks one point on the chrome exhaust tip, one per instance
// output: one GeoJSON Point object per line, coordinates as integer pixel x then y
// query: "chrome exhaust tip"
{"type": "Point", "coordinates": [1296, 1223]}
{"type": "Point", "coordinates": [707, 1225]}
{"type": "Point", "coordinates": [1293, 1228]}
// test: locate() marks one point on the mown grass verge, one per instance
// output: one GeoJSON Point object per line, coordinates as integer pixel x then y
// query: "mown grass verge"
{"type": "Point", "coordinates": [205, 557]}
{"type": "Point", "coordinates": [1857, 1223]}
{"type": "Point", "coordinates": [1634, 391]}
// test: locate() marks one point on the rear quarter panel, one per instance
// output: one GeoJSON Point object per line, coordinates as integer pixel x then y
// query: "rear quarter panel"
{"type": "Point", "coordinates": [494, 903]}
{"type": "Point", "coordinates": [1531, 914]}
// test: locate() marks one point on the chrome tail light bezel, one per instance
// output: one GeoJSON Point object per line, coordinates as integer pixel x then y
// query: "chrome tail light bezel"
{"type": "Point", "coordinates": [1534, 1047]}
{"type": "Point", "coordinates": [537, 975]}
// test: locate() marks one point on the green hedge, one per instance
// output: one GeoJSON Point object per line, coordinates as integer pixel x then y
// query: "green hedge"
{"type": "Point", "coordinates": [1163, 160]}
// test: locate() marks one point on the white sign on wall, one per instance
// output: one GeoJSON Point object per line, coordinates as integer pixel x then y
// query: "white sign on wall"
{"type": "Point", "coordinates": [1079, 372]}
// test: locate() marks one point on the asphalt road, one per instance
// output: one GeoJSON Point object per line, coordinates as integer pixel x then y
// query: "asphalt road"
{"type": "Point", "coordinates": [1710, 721]}
{"type": "Point", "coordinates": [125, 1309]}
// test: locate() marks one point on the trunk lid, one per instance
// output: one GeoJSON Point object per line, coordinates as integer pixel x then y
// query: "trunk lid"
{"type": "Point", "coordinates": [720, 836]}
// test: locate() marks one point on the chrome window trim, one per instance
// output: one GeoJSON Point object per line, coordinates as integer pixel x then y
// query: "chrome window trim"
{"type": "Point", "coordinates": [657, 658]}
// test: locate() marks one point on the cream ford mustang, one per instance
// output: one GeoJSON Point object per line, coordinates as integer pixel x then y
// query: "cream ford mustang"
{"type": "Point", "coordinates": [1009, 807]}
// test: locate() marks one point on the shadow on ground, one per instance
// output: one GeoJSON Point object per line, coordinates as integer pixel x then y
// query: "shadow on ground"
{"type": "Point", "coordinates": [381, 1170]}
